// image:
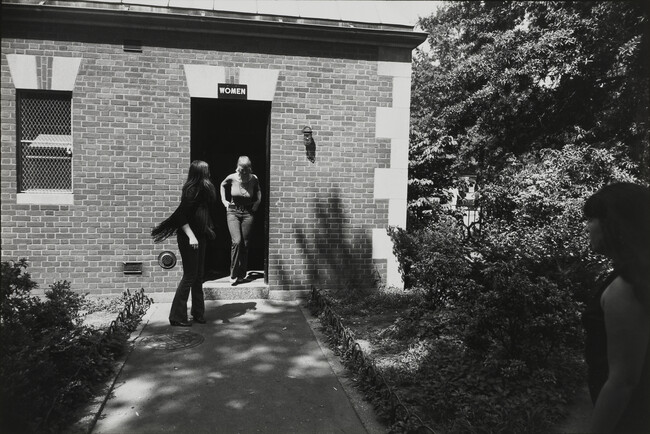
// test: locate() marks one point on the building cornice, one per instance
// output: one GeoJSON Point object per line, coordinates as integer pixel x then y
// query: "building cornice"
{"type": "Point", "coordinates": [105, 16]}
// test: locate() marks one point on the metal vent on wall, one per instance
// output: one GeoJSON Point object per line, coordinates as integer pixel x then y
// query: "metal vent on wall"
{"type": "Point", "coordinates": [132, 267]}
{"type": "Point", "coordinates": [167, 260]}
{"type": "Point", "coordinates": [132, 46]}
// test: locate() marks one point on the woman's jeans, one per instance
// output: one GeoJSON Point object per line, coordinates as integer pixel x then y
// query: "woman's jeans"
{"type": "Point", "coordinates": [193, 261]}
{"type": "Point", "coordinates": [240, 225]}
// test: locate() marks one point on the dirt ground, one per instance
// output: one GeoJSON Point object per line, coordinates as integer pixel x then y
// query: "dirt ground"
{"type": "Point", "coordinates": [100, 319]}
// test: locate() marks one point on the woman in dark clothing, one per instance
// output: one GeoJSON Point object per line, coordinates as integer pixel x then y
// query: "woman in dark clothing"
{"type": "Point", "coordinates": [245, 198]}
{"type": "Point", "coordinates": [617, 318]}
{"type": "Point", "coordinates": [194, 217]}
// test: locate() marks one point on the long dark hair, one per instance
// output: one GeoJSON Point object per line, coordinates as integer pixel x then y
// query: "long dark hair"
{"type": "Point", "coordinates": [198, 182]}
{"type": "Point", "coordinates": [198, 187]}
{"type": "Point", "coordinates": [623, 210]}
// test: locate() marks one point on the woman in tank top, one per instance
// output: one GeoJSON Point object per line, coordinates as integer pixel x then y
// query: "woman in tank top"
{"type": "Point", "coordinates": [245, 198]}
{"type": "Point", "coordinates": [617, 318]}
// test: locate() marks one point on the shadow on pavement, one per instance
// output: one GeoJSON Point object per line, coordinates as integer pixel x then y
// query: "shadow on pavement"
{"type": "Point", "coordinates": [231, 310]}
{"type": "Point", "coordinates": [254, 367]}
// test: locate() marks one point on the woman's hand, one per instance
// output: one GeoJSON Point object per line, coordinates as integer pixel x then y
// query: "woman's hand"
{"type": "Point", "coordinates": [255, 206]}
{"type": "Point", "coordinates": [225, 203]}
{"type": "Point", "coordinates": [194, 243]}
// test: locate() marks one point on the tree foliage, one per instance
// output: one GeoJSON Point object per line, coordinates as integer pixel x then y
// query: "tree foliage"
{"type": "Point", "coordinates": [545, 102]}
{"type": "Point", "coordinates": [502, 79]}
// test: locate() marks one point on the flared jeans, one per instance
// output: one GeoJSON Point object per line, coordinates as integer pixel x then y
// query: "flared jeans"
{"type": "Point", "coordinates": [240, 225]}
{"type": "Point", "coordinates": [192, 280]}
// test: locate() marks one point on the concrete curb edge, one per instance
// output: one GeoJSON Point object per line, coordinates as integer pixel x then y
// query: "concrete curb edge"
{"type": "Point", "coordinates": [364, 409]}
{"type": "Point", "coordinates": [93, 410]}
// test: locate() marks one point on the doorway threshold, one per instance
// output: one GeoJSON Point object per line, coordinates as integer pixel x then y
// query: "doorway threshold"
{"type": "Point", "coordinates": [222, 289]}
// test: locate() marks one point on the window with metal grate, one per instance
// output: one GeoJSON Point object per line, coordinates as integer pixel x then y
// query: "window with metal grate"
{"type": "Point", "coordinates": [44, 141]}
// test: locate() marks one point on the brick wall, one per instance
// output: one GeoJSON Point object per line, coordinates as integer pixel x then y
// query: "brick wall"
{"type": "Point", "coordinates": [131, 135]}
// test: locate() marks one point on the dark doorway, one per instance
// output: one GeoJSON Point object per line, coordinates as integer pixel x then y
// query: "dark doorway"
{"type": "Point", "coordinates": [221, 131]}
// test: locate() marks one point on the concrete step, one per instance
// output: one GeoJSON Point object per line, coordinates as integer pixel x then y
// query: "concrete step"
{"type": "Point", "coordinates": [215, 290]}
{"type": "Point", "coordinates": [222, 289]}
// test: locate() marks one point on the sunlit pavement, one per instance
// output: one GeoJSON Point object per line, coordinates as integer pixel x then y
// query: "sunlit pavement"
{"type": "Point", "coordinates": [254, 367]}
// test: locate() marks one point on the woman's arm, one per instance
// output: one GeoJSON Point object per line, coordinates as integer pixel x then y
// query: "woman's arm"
{"type": "Point", "coordinates": [628, 330]}
{"type": "Point", "coordinates": [222, 191]}
{"type": "Point", "coordinates": [256, 204]}
{"type": "Point", "coordinates": [194, 243]}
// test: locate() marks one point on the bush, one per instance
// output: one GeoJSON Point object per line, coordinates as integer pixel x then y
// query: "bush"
{"type": "Point", "coordinates": [502, 319]}
{"type": "Point", "coordinates": [456, 392]}
{"type": "Point", "coordinates": [516, 315]}
{"type": "Point", "coordinates": [534, 210]}
{"type": "Point", "coordinates": [48, 361]}
{"type": "Point", "coordinates": [517, 288]}
{"type": "Point", "coordinates": [434, 259]}
{"type": "Point", "coordinates": [535, 266]}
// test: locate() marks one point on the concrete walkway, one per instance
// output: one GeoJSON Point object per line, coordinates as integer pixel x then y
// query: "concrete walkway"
{"type": "Point", "coordinates": [256, 366]}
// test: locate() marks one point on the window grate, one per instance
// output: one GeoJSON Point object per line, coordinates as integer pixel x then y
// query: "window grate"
{"type": "Point", "coordinates": [45, 138]}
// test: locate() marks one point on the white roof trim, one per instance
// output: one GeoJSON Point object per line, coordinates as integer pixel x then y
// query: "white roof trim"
{"type": "Point", "coordinates": [389, 12]}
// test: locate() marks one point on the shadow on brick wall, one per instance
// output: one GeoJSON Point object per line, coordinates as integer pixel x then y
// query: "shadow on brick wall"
{"type": "Point", "coordinates": [337, 254]}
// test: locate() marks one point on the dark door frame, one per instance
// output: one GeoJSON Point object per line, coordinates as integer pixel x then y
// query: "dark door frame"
{"type": "Point", "coordinates": [209, 144]}
{"type": "Point", "coordinates": [266, 200]}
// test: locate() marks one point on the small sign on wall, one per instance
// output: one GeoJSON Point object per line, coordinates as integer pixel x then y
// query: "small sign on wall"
{"type": "Point", "coordinates": [232, 91]}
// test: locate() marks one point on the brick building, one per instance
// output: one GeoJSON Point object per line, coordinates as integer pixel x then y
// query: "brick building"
{"type": "Point", "coordinates": [105, 104]}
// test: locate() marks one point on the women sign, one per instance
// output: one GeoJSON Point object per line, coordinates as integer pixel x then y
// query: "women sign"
{"type": "Point", "coordinates": [232, 91]}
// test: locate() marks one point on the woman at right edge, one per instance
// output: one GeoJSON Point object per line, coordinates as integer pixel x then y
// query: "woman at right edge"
{"type": "Point", "coordinates": [246, 196]}
{"type": "Point", "coordinates": [617, 317]}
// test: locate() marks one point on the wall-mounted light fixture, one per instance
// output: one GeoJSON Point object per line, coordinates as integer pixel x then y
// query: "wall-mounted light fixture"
{"type": "Point", "coordinates": [310, 144]}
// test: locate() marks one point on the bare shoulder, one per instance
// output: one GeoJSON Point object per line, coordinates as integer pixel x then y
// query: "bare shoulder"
{"type": "Point", "coordinates": [619, 296]}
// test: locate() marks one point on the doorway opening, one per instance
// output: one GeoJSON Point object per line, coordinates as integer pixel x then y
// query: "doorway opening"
{"type": "Point", "coordinates": [221, 131]}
